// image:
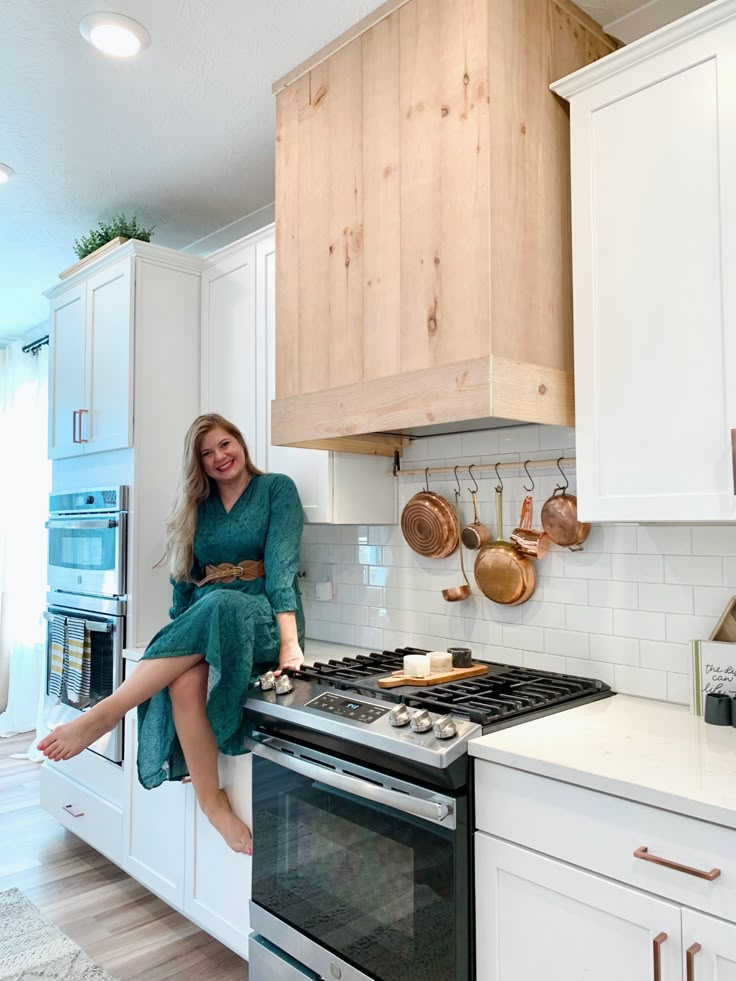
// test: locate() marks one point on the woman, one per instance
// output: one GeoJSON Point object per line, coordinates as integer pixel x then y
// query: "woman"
{"type": "Point", "coordinates": [233, 543]}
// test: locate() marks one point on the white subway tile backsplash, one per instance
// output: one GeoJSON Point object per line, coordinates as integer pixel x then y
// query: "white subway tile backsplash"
{"type": "Point", "coordinates": [613, 593]}
{"type": "Point", "coordinates": [623, 610]}
{"type": "Point", "coordinates": [638, 568]}
{"type": "Point", "coordinates": [614, 650]}
{"type": "Point", "coordinates": [660, 597]}
{"type": "Point", "coordinates": [634, 623]}
{"type": "Point", "coordinates": [664, 540]}
{"type": "Point", "coordinates": [692, 569]}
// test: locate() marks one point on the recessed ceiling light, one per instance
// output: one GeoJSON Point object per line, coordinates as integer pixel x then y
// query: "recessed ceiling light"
{"type": "Point", "coordinates": [114, 34]}
{"type": "Point", "coordinates": [5, 173]}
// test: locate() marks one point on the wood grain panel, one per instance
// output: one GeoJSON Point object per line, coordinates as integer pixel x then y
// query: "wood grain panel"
{"type": "Point", "coordinates": [531, 279]}
{"type": "Point", "coordinates": [445, 393]}
{"type": "Point", "coordinates": [369, 444]}
{"type": "Point", "coordinates": [314, 232]}
{"type": "Point", "coordinates": [287, 237]}
{"type": "Point", "coordinates": [421, 211]}
{"type": "Point", "coordinates": [532, 393]}
{"type": "Point", "coordinates": [381, 201]}
{"type": "Point", "coordinates": [464, 184]}
{"type": "Point", "coordinates": [345, 279]}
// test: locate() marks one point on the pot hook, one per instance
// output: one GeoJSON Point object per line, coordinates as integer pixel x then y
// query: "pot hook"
{"type": "Point", "coordinates": [499, 485]}
{"type": "Point", "coordinates": [426, 478]}
{"type": "Point", "coordinates": [472, 477]}
{"type": "Point", "coordinates": [459, 491]}
{"type": "Point", "coordinates": [564, 477]}
{"type": "Point", "coordinates": [530, 489]}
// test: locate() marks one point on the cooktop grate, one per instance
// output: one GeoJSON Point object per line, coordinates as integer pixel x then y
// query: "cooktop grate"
{"type": "Point", "coordinates": [506, 692]}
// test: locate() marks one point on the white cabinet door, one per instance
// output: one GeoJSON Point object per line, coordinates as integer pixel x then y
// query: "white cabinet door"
{"type": "Point", "coordinates": [108, 422]}
{"type": "Point", "coordinates": [154, 829]}
{"type": "Point", "coordinates": [540, 918]}
{"type": "Point", "coordinates": [653, 142]}
{"type": "Point", "coordinates": [229, 345]}
{"type": "Point", "coordinates": [217, 880]}
{"type": "Point", "coordinates": [709, 946]}
{"type": "Point", "coordinates": [66, 372]}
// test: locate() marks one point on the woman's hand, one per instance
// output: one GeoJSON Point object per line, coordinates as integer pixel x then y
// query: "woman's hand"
{"type": "Point", "coordinates": [291, 657]}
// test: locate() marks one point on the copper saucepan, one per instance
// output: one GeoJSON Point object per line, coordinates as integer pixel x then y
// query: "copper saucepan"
{"type": "Point", "coordinates": [503, 574]}
{"type": "Point", "coordinates": [526, 539]}
{"type": "Point", "coordinates": [476, 534]}
{"type": "Point", "coordinates": [430, 525]}
{"type": "Point", "coordinates": [560, 516]}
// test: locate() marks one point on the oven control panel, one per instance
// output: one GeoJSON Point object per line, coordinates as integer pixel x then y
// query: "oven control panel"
{"type": "Point", "coordinates": [348, 708]}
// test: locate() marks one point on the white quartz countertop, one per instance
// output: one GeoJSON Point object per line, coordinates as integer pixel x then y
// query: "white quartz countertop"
{"type": "Point", "coordinates": [635, 748]}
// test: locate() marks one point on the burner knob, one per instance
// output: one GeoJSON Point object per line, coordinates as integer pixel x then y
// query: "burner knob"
{"type": "Point", "coordinates": [283, 685]}
{"type": "Point", "coordinates": [421, 721]}
{"type": "Point", "coordinates": [267, 681]}
{"type": "Point", "coordinates": [444, 728]}
{"type": "Point", "coordinates": [399, 716]}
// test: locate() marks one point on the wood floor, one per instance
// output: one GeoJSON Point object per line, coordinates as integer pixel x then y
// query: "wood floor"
{"type": "Point", "coordinates": [123, 927]}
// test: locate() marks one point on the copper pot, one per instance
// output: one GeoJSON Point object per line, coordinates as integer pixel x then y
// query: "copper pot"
{"type": "Point", "coordinates": [527, 540]}
{"type": "Point", "coordinates": [560, 519]}
{"type": "Point", "coordinates": [430, 526]}
{"type": "Point", "coordinates": [476, 534]}
{"type": "Point", "coordinates": [503, 574]}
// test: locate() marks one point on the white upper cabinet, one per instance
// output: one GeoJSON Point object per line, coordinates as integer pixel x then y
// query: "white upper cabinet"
{"type": "Point", "coordinates": [90, 408]}
{"type": "Point", "coordinates": [238, 381]}
{"type": "Point", "coordinates": [653, 140]}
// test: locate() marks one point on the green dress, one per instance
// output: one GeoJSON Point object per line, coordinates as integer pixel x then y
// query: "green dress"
{"type": "Point", "coordinates": [233, 624]}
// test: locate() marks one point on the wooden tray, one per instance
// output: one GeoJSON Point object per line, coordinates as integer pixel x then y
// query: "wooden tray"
{"type": "Point", "coordinates": [436, 678]}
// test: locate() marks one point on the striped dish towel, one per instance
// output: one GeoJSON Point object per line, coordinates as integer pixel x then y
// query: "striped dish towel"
{"type": "Point", "coordinates": [80, 660]}
{"type": "Point", "coordinates": [59, 655]}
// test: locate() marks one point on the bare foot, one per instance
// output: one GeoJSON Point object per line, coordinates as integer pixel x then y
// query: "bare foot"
{"type": "Point", "coordinates": [233, 830]}
{"type": "Point", "coordinates": [70, 739]}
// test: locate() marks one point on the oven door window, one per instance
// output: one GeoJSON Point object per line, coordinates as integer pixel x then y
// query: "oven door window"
{"type": "Point", "coordinates": [83, 549]}
{"type": "Point", "coordinates": [377, 887]}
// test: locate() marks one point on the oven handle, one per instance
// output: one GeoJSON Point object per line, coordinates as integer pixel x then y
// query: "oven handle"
{"type": "Point", "coordinates": [81, 524]}
{"type": "Point", "coordinates": [434, 811]}
{"type": "Point", "coordinates": [94, 626]}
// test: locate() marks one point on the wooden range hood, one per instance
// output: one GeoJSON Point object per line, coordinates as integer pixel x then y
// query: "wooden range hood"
{"type": "Point", "coordinates": [423, 270]}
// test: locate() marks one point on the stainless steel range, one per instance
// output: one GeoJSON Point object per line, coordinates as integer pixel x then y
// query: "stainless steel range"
{"type": "Point", "coordinates": [362, 813]}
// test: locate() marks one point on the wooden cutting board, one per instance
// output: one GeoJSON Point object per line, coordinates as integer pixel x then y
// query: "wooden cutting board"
{"type": "Point", "coordinates": [436, 678]}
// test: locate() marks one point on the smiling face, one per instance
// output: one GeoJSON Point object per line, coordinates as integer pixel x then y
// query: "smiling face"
{"type": "Point", "coordinates": [222, 457]}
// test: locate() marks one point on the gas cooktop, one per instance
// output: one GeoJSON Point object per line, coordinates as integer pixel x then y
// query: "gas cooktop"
{"type": "Point", "coordinates": [430, 724]}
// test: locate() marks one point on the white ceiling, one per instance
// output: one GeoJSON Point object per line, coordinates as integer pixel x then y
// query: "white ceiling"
{"type": "Point", "coordinates": [181, 135]}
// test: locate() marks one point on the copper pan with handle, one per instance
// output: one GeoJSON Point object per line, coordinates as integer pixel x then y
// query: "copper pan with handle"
{"type": "Point", "coordinates": [560, 516]}
{"type": "Point", "coordinates": [429, 525]}
{"type": "Point", "coordinates": [503, 574]}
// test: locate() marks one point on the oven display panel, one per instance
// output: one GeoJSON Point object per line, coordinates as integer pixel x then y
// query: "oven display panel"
{"type": "Point", "coordinates": [349, 708]}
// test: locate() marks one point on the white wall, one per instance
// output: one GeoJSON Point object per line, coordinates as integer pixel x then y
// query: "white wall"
{"type": "Point", "coordinates": [623, 610]}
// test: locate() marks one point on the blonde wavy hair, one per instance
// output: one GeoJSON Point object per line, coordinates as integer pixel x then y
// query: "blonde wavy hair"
{"type": "Point", "coordinates": [194, 487]}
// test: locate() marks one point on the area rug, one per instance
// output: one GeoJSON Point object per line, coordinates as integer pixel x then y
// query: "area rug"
{"type": "Point", "coordinates": [31, 949]}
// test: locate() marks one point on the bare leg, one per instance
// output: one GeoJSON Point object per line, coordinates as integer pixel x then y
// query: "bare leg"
{"type": "Point", "coordinates": [188, 700]}
{"type": "Point", "coordinates": [148, 678]}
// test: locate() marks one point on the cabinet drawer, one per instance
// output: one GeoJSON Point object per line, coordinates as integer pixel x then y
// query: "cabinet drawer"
{"type": "Point", "coordinates": [93, 819]}
{"type": "Point", "coordinates": [600, 832]}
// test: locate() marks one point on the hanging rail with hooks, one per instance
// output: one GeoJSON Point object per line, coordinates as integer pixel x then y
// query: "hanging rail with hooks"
{"type": "Point", "coordinates": [521, 465]}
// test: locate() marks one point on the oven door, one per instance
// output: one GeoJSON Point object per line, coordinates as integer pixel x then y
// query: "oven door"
{"type": "Point", "coordinates": [87, 553]}
{"type": "Point", "coordinates": [105, 636]}
{"type": "Point", "coordinates": [355, 871]}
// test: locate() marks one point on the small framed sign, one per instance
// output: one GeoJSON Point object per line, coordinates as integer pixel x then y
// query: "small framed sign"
{"type": "Point", "coordinates": [714, 670]}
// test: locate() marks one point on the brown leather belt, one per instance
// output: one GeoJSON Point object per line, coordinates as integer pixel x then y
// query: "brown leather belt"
{"type": "Point", "coordinates": [227, 572]}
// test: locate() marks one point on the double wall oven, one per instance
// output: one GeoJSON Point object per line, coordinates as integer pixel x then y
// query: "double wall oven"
{"type": "Point", "coordinates": [86, 605]}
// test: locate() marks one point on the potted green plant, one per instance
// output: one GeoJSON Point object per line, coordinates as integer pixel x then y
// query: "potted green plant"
{"type": "Point", "coordinates": [119, 227]}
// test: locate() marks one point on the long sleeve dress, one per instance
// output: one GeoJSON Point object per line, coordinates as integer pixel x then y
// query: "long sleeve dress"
{"type": "Point", "coordinates": [232, 624]}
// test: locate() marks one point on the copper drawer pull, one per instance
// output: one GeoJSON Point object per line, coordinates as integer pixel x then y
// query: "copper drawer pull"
{"type": "Point", "coordinates": [82, 412]}
{"type": "Point", "coordinates": [690, 961]}
{"type": "Point", "coordinates": [733, 457]}
{"type": "Point", "coordinates": [69, 808]}
{"type": "Point", "coordinates": [74, 426]}
{"type": "Point", "coordinates": [657, 955]}
{"type": "Point", "coordinates": [643, 854]}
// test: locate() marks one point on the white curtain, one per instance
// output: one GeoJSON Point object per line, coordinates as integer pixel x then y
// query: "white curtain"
{"type": "Point", "coordinates": [25, 481]}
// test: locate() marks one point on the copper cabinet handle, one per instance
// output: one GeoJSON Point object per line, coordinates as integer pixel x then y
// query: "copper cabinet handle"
{"type": "Point", "coordinates": [74, 426]}
{"type": "Point", "coordinates": [690, 960]}
{"type": "Point", "coordinates": [69, 808]}
{"type": "Point", "coordinates": [656, 954]}
{"type": "Point", "coordinates": [733, 457]}
{"type": "Point", "coordinates": [82, 412]}
{"type": "Point", "coordinates": [643, 854]}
